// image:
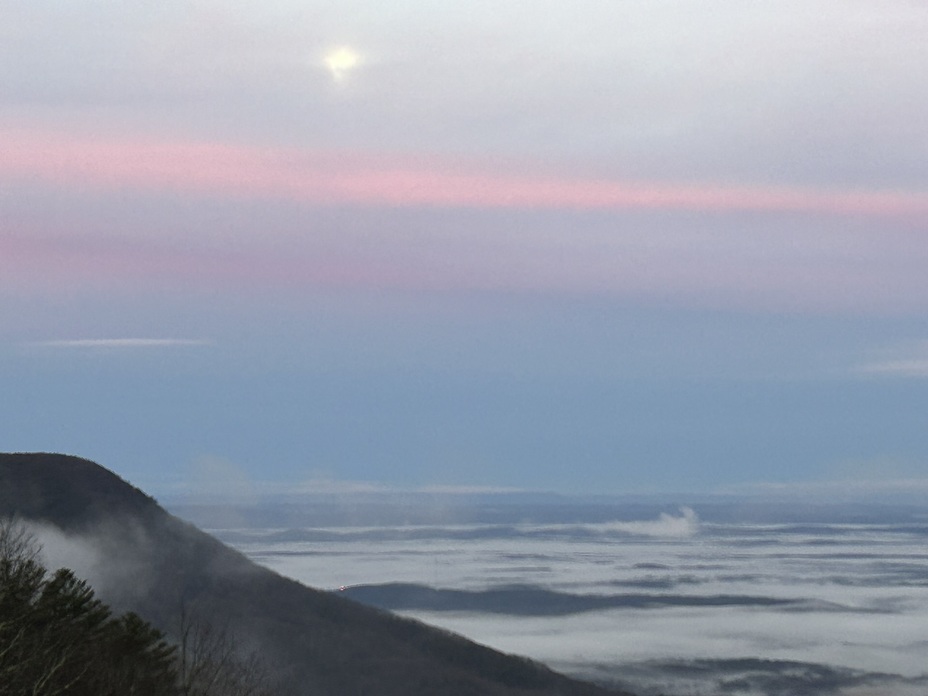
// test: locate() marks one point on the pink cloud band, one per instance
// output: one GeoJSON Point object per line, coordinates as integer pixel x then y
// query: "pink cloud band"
{"type": "Point", "coordinates": [350, 178]}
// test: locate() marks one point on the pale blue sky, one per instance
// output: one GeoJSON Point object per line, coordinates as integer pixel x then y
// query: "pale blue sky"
{"type": "Point", "coordinates": [588, 246]}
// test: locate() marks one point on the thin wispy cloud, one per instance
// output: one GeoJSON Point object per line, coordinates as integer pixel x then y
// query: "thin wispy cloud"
{"type": "Point", "coordinates": [330, 486]}
{"type": "Point", "coordinates": [899, 368]}
{"type": "Point", "coordinates": [121, 343]}
{"type": "Point", "coordinates": [326, 486]}
{"type": "Point", "coordinates": [468, 490]}
{"type": "Point", "coordinates": [400, 180]}
{"type": "Point", "coordinates": [907, 362]}
{"type": "Point", "coordinates": [863, 488]}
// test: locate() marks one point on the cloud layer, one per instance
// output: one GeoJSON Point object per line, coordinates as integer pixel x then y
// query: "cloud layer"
{"type": "Point", "coordinates": [757, 608]}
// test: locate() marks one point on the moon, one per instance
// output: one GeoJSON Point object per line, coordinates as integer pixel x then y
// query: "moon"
{"type": "Point", "coordinates": [341, 61]}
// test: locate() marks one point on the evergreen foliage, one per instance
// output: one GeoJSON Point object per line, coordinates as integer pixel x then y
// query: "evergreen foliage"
{"type": "Point", "coordinates": [57, 638]}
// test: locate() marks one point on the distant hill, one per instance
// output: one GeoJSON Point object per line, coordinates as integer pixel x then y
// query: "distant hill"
{"type": "Point", "coordinates": [324, 644]}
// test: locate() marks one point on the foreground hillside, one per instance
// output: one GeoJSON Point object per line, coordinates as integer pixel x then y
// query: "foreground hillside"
{"type": "Point", "coordinates": [158, 566]}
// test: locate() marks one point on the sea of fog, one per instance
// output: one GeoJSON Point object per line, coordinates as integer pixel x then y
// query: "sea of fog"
{"type": "Point", "coordinates": [672, 604]}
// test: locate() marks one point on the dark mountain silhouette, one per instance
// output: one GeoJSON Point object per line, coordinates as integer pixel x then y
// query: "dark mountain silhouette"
{"type": "Point", "coordinates": [159, 566]}
{"type": "Point", "coordinates": [528, 600]}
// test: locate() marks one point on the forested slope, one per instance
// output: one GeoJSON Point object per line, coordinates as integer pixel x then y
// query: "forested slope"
{"type": "Point", "coordinates": [161, 568]}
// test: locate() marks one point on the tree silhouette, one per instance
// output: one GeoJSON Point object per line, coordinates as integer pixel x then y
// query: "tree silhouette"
{"type": "Point", "coordinates": [212, 663]}
{"type": "Point", "coordinates": [56, 637]}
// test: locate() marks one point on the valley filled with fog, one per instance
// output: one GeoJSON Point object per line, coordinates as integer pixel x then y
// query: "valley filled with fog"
{"type": "Point", "coordinates": [675, 603]}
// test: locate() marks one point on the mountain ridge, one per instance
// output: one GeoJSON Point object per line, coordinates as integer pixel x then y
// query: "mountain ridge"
{"type": "Point", "coordinates": [155, 564]}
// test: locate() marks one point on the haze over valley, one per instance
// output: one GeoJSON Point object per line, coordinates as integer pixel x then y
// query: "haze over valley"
{"type": "Point", "coordinates": [753, 597]}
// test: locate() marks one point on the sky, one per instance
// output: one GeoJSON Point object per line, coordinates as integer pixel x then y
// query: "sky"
{"type": "Point", "coordinates": [588, 247]}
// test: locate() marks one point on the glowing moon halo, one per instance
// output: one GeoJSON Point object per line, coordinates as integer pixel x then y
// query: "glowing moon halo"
{"type": "Point", "coordinates": [341, 61]}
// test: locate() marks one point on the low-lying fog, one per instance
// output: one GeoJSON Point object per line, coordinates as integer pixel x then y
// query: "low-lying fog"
{"type": "Point", "coordinates": [671, 604]}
